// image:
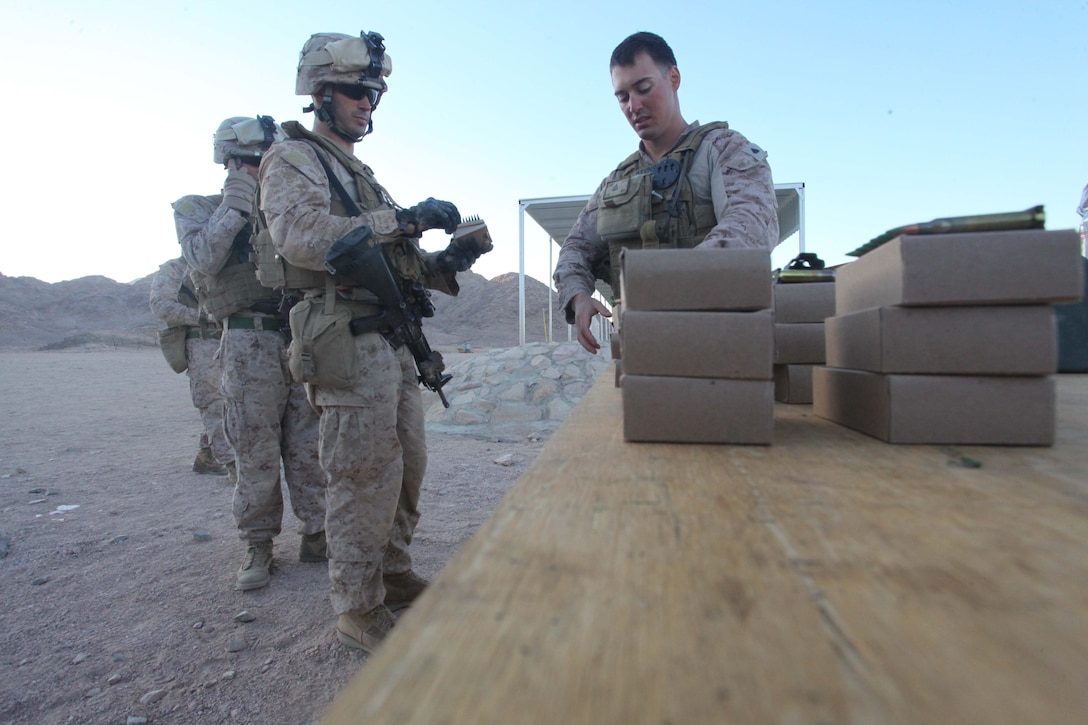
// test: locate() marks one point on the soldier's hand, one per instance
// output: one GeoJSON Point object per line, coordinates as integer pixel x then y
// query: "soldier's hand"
{"type": "Point", "coordinates": [585, 307]}
{"type": "Point", "coordinates": [430, 214]}
{"type": "Point", "coordinates": [239, 190]}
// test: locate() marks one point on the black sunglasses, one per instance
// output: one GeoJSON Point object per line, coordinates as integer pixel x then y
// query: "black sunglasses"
{"type": "Point", "coordinates": [357, 92]}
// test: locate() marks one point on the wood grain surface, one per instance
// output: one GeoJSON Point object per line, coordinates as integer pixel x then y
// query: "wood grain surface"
{"type": "Point", "coordinates": [828, 578]}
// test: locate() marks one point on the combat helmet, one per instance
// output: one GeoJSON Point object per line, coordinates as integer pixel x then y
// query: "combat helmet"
{"type": "Point", "coordinates": [329, 59]}
{"type": "Point", "coordinates": [244, 137]}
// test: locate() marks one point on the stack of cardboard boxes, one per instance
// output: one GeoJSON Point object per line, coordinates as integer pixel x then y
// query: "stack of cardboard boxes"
{"type": "Point", "coordinates": [800, 309]}
{"type": "Point", "coordinates": [697, 344]}
{"type": "Point", "coordinates": [949, 338]}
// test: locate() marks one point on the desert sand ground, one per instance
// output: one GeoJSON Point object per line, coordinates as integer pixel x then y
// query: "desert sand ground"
{"type": "Point", "coordinates": [117, 563]}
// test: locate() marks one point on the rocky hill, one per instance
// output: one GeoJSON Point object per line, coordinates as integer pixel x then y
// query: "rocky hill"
{"type": "Point", "coordinates": [96, 312]}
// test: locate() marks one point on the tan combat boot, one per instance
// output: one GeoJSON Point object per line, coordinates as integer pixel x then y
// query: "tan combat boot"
{"type": "Point", "coordinates": [205, 463]}
{"type": "Point", "coordinates": [402, 589]}
{"type": "Point", "coordinates": [313, 547]}
{"type": "Point", "coordinates": [364, 631]}
{"type": "Point", "coordinates": [255, 570]}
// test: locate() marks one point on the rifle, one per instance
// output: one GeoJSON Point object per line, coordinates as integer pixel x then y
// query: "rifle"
{"type": "Point", "coordinates": [362, 260]}
{"type": "Point", "coordinates": [401, 325]}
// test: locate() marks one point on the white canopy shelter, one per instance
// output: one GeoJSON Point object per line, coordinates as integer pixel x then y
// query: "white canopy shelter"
{"type": "Point", "coordinates": [557, 214]}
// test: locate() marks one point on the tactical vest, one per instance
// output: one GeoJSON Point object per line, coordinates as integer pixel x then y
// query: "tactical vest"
{"type": "Point", "coordinates": [276, 272]}
{"type": "Point", "coordinates": [649, 206]}
{"type": "Point", "coordinates": [235, 287]}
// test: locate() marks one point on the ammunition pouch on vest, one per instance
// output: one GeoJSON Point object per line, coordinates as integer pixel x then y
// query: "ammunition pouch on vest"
{"type": "Point", "coordinates": [172, 344]}
{"type": "Point", "coordinates": [625, 207]}
{"type": "Point", "coordinates": [323, 349]}
{"type": "Point", "coordinates": [275, 272]}
{"type": "Point", "coordinates": [653, 206]}
{"type": "Point", "coordinates": [235, 287]}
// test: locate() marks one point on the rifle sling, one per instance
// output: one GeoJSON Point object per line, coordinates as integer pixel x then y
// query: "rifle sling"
{"type": "Point", "coordinates": [334, 182]}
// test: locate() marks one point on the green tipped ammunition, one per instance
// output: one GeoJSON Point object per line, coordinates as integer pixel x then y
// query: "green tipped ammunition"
{"type": "Point", "coordinates": [786, 276]}
{"type": "Point", "coordinates": [1033, 218]}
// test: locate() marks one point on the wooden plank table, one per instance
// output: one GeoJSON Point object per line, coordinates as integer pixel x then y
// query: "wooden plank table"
{"type": "Point", "coordinates": [828, 578]}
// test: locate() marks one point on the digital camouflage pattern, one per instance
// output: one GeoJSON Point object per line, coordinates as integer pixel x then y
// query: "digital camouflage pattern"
{"type": "Point", "coordinates": [346, 63]}
{"type": "Point", "coordinates": [204, 371]}
{"type": "Point", "coordinates": [297, 204]}
{"type": "Point", "coordinates": [205, 377]}
{"type": "Point", "coordinates": [305, 220]}
{"type": "Point", "coordinates": [206, 230]}
{"type": "Point", "coordinates": [375, 453]}
{"type": "Point", "coordinates": [268, 419]}
{"type": "Point", "coordinates": [373, 445]}
{"type": "Point", "coordinates": [727, 171]}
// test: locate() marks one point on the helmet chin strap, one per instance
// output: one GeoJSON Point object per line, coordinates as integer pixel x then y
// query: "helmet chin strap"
{"type": "Point", "coordinates": [325, 114]}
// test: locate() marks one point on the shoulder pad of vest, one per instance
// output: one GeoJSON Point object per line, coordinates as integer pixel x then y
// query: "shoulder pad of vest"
{"type": "Point", "coordinates": [194, 202]}
{"type": "Point", "coordinates": [699, 135]}
{"type": "Point", "coordinates": [297, 154]}
{"type": "Point", "coordinates": [301, 156]}
{"type": "Point", "coordinates": [631, 160]}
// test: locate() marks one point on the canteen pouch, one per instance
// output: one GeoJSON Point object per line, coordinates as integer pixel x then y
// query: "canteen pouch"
{"type": "Point", "coordinates": [322, 349]}
{"type": "Point", "coordinates": [172, 344]}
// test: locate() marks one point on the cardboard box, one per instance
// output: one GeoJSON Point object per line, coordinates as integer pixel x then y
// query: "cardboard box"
{"type": "Point", "coordinates": [699, 344]}
{"type": "Point", "coordinates": [938, 409]}
{"type": "Point", "coordinates": [804, 301]}
{"type": "Point", "coordinates": [984, 268]}
{"type": "Point", "coordinates": [695, 279]}
{"type": "Point", "coordinates": [617, 317]}
{"type": "Point", "coordinates": [799, 343]}
{"type": "Point", "coordinates": [793, 384]}
{"type": "Point", "coordinates": [697, 410]}
{"type": "Point", "coordinates": [1020, 340]}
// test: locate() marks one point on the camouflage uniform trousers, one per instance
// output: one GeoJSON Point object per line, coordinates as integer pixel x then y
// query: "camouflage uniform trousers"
{"type": "Point", "coordinates": [374, 451]}
{"type": "Point", "coordinates": [268, 419]}
{"type": "Point", "coordinates": [205, 377]}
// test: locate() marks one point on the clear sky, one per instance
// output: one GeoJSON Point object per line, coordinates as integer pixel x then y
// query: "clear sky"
{"type": "Point", "coordinates": [889, 112]}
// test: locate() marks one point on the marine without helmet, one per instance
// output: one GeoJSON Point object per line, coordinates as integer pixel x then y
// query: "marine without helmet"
{"type": "Point", "coordinates": [244, 137]}
{"type": "Point", "coordinates": [340, 58]}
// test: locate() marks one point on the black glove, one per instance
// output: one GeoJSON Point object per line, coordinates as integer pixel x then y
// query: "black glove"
{"type": "Point", "coordinates": [458, 257]}
{"type": "Point", "coordinates": [429, 214]}
{"type": "Point", "coordinates": [454, 259]}
{"type": "Point", "coordinates": [469, 242]}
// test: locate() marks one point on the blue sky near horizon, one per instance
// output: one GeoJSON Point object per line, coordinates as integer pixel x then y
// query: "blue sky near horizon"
{"type": "Point", "coordinates": [889, 113]}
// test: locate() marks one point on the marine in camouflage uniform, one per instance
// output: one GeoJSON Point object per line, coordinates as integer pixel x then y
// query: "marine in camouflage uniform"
{"type": "Point", "coordinates": [372, 425]}
{"type": "Point", "coordinates": [704, 186]}
{"type": "Point", "coordinates": [269, 421]}
{"type": "Point", "coordinates": [169, 287]}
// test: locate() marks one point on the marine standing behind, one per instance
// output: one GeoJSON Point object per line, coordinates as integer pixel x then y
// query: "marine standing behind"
{"type": "Point", "coordinates": [169, 287]}
{"type": "Point", "coordinates": [268, 419]}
